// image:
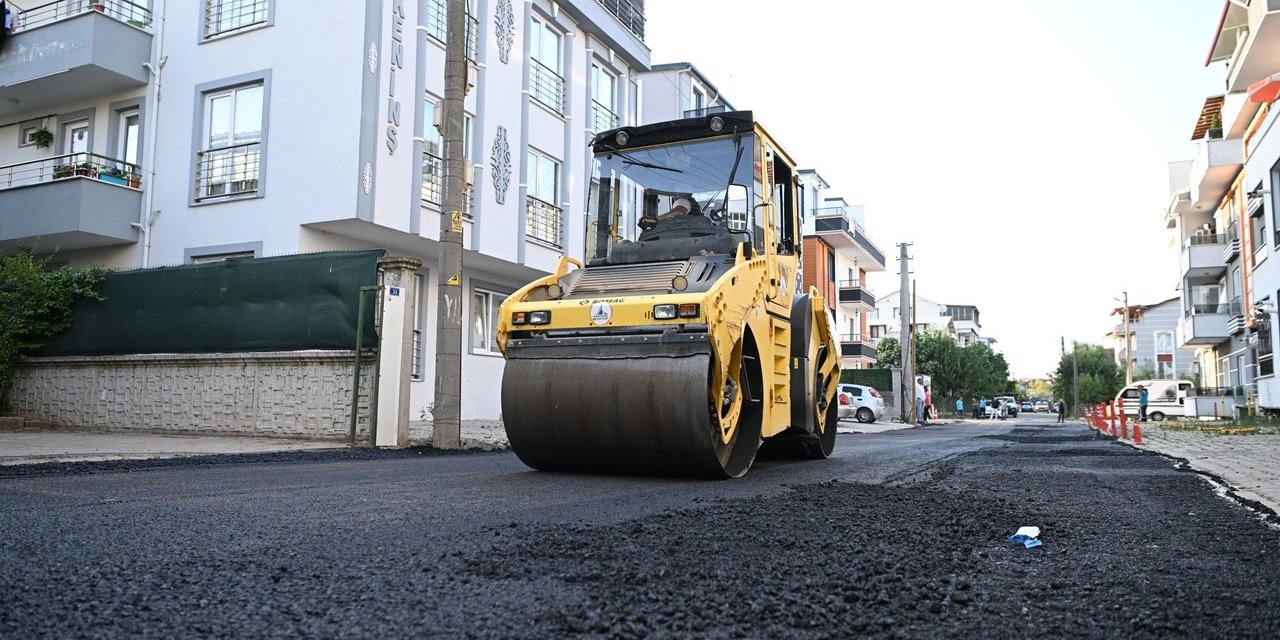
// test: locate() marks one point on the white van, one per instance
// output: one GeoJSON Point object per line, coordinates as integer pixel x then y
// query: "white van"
{"type": "Point", "coordinates": [1165, 398]}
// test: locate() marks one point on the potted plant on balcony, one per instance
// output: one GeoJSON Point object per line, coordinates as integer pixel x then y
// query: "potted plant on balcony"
{"type": "Point", "coordinates": [114, 176]}
{"type": "Point", "coordinates": [42, 137]}
{"type": "Point", "coordinates": [1215, 128]}
{"type": "Point", "coordinates": [64, 171]}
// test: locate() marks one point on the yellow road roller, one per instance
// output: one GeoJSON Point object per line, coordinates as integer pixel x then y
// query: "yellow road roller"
{"type": "Point", "coordinates": [687, 349]}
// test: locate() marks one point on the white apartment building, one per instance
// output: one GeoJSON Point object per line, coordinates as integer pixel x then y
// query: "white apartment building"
{"type": "Point", "coordinates": [838, 255]}
{"type": "Point", "coordinates": [887, 320]}
{"type": "Point", "coordinates": [1223, 209]}
{"type": "Point", "coordinates": [206, 129]}
{"type": "Point", "coordinates": [678, 90]}
{"type": "Point", "coordinates": [1145, 345]}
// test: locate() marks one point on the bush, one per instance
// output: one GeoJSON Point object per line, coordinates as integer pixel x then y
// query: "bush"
{"type": "Point", "coordinates": [35, 304]}
{"type": "Point", "coordinates": [879, 379]}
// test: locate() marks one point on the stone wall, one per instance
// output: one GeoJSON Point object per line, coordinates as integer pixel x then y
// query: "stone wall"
{"type": "Point", "coordinates": [301, 393]}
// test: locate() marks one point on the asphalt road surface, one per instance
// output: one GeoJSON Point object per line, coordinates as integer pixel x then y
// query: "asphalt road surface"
{"type": "Point", "coordinates": [900, 534]}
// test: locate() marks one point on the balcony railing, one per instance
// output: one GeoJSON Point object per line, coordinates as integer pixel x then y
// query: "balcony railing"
{"type": "Point", "coordinates": [433, 184]}
{"type": "Point", "coordinates": [546, 86]}
{"type": "Point", "coordinates": [227, 17]}
{"type": "Point", "coordinates": [630, 15]}
{"type": "Point", "coordinates": [228, 171]}
{"type": "Point", "coordinates": [437, 27]}
{"type": "Point", "coordinates": [1206, 238]}
{"type": "Point", "coordinates": [602, 118]}
{"type": "Point", "coordinates": [851, 337]}
{"type": "Point", "coordinates": [837, 219]}
{"type": "Point", "coordinates": [71, 165]}
{"type": "Point", "coordinates": [1208, 309]}
{"type": "Point", "coordinates": [697, 113]}
{"type": "Point", "coordinates": [543, 222]}
{"type": "Point", "coordinates": [122, 10]}
{"type": "Point", "coordinates": [1232, 249]}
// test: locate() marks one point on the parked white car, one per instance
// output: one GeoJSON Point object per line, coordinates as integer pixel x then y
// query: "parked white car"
{"type": "Point", "coordinates": [860, 402]}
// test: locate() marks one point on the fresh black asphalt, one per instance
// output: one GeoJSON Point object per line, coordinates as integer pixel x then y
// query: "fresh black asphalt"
{"type": "Point", "coordinates": [900, 534]}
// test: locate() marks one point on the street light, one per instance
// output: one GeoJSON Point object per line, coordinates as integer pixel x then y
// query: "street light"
{"type": "Point", "coordinates": [1128, 341]}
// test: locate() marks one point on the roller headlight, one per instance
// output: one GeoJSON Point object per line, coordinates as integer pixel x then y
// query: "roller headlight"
{"type": "Point", "coordinates": [717, 124]}
{"type": "Point", "coordinates": [679, 283]}
{"type": "Point", "coordinates": [664, 312]}
{"type": "Point", "coordinates": [621, 138]}
{"type": "Point", "coordinates": [539, 317]}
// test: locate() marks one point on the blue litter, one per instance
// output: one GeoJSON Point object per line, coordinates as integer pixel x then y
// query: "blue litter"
{"type": "Point", "coordinates": [1026, 536]}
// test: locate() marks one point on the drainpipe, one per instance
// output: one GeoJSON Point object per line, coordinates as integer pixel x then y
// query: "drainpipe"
{"type": "Point", "coordinates": [152, 113]}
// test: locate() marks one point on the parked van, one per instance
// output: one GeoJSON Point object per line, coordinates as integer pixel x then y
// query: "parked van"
{"type": "Point", "coordinates": [1165, 398]}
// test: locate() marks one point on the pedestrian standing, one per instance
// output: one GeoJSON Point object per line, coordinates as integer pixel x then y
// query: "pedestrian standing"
{"type": "Point", "coordinates": [1062, 410]}
{"type": "Point", "coordinates": [928, 403]}
{"type": "Point", "coordinates": [919, 401]}
{"type": "Point", "coordinates": [959, 407]}
{"type": "Point", "coordinates": [1142, 403]}
{"type": "Point", "coordinates": [982, 408]}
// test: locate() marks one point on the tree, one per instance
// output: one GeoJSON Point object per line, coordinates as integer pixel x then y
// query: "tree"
{"type": "Point", "coordinates": [888, 353]}
{"type": "Point", "coordinates": [35, 304]}
{"type": "Point", "coordinates": [1100, 377]}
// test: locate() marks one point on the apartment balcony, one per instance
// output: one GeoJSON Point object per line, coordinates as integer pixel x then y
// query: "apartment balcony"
{"type": "Point", "coordinates": [855, 294]}
{"type": "Point", "coordinates": [854, 345]}
{"type": "Point", "coordinates": [1231, 249]}
{"type": "Point", "coordinates": [1213, 169]}
{"type": "Point", "coordinates": [1202, 257]}
{"type": "Point", "coordinates": [70, 202]}
{"type": "Point", "coordinates": [544, 222]}
{"type": "Point", "coordinates": [1251, 41]}
{"type": "Point", "coordinates": [1204, 324]}
{"type": "Point", "coordinates": [848, 238]}
{"type": "Point", "coordinates": [66, 51]}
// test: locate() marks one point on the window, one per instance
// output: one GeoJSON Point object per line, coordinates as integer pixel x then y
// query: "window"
{"type": "Point", "coordinates": [419, 310]}
{"type": "Point", "coordinates": [484, 321]}
{"type": "Point", "coordinates": [697, 100]}
{"type": "Point", "coordinates": [433, 154]}
{"type": "Point", "coordinates": [438, 26]}
{"type": "Point", "coordinates": [28, 136]}
{"type": "Point", "coordinates": [604, 112]}
{"type": "Point", "coordinates": [227, 16]}
{"type": "Point", "coordinates": [545, 80]}
{"type": "Point", "coordinates": [229, 160]}
{"type": "Point", "coordinates": [543, 216]}
{"type": "Point", "coordinates": [221, 257]}
{"type": "Point", "coordinates": [831, 266]}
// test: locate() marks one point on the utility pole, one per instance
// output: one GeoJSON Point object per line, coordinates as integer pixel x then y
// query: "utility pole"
{"type": "Point", "coordinates": [1128, 344]}
{"type": "Point", "coordinates": [907, 397]}
{"type": "Point", "coordinates": [1075, 380]}
{"type": "Point", "coordinates": [447, 412]}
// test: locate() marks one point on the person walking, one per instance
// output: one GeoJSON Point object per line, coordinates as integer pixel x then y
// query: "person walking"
{"type": "Point", "coordinates": [1142, 403]}
{"type": "Point", "coordinates": [919, 401]}
{"type": "Point", "coordinates": [929, 413]}
{"type": "Point", "coordinates": [1062, 409]}
{"type": "Point", "coordinates": [982, 408]}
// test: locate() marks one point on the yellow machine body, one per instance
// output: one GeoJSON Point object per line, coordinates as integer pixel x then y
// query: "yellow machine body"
{"type": "Point", "coordinates": [682, 352]}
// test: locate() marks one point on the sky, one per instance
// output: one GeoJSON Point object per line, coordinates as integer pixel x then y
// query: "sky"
{"type": "Point", "coordinates": [1021, 147]}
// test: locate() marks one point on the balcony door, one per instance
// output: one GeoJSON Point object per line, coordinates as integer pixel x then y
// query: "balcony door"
{"type": "Point", "coordinates": [75, 137]}
{"type": "Point", "coordinates": [128, 145]}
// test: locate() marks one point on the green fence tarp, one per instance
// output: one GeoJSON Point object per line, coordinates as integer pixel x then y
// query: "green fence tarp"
{"type": "Point", "coordinates": [879, 379]}
{"type": "Point", "coordinates": [284, 303]}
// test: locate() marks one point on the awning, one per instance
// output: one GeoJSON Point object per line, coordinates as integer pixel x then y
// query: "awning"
{"type": "Point", "coordinates": [1266, 90]}
{"type": "Point", "coordinates": [1212, 108]}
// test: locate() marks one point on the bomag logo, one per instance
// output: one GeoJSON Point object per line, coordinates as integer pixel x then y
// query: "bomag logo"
{"type": "Point", "coordinates": [601, 312]}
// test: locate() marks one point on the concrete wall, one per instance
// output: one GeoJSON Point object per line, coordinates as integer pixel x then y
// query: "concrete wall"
{"type": "Point", "coordinates": [304, 393]}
